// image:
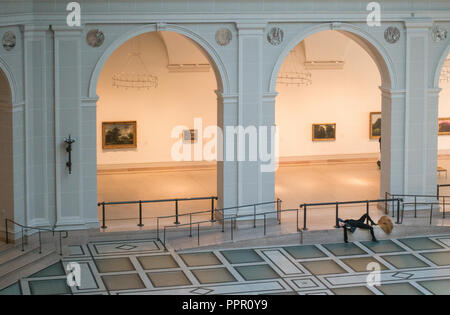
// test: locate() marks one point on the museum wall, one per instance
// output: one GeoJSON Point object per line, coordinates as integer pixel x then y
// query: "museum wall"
{"type": "Point", "coordinates": [343, 96]}
{"type": "Point", "coordinates": [444, 112]}
{"type": "Point", "coordinates": [179, 98]}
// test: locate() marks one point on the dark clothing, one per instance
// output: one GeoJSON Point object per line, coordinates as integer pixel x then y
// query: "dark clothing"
{"type": "Point", "coordinates": [352, 225]}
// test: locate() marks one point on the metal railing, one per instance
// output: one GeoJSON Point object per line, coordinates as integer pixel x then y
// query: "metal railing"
{"type": "Point", "coordinates": [141, 202]}
{"type": "Point", "coordinates": [305, 206]}
{"type": "Point", "coordinates": [215, 211]}
{"type": "Point", "coordinates": [233, 224]}
{"type": "Point", "coordinates": [39, 230]}
{"type": "Point", "coordinates": [416, 203]}
{"type": "Point", "coordinates": [438, 188]}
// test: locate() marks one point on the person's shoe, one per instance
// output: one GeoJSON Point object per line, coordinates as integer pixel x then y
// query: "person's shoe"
{"type": "Point", "coordinates": [375, 240]}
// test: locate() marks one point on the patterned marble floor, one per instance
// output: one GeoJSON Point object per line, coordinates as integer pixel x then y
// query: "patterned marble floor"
{"type": "Point", "coordinates": [413, 266]}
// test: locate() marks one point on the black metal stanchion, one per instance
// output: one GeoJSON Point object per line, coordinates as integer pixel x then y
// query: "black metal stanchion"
{"type": "Point", "coordinates": [140, 214]}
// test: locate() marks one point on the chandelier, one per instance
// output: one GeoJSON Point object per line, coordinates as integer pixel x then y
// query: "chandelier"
{"type": "Point", "coordinates": [445, 73]}
{"type": "Point", "coordinates": [292, 71]}
{"type": "Point", "coordinates": [135, 74]}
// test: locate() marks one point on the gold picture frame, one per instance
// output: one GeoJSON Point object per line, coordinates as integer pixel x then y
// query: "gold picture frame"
{"type": "Point", "coordinates": [324, 132]}
{"type": "Point", "coordinates": [119, 135]}
{"type": "Point", "coordinates": [444, 126]}
{"type": "Point", "coordinates": [375, 125]}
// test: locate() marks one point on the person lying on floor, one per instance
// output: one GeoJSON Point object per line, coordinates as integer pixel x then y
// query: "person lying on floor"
{"type": "Point", "coordinates": [385, 224]}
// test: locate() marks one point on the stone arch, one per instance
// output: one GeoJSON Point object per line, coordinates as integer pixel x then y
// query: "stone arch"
{"type": "Point", "coordinates": [223, 83]}
{"type": "Point", "coordinates": [364, 39]}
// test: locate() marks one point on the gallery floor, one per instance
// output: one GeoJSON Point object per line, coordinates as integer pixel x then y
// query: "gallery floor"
{"type": "Point", "coordinates": [412, 266]}
{"type": "Point", "coordinates": [295, 184]}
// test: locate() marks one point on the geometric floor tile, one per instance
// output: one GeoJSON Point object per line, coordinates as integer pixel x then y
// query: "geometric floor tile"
{"type": "Point", "coordinates": [361, 264]}
{"type": "Point", "coordinates": [123, 282]}
{"type": "Point", "coordinates": [420, 243]}
{"type": "Point", "coordinates": [304, 252]}
{"type": "Point", "coordinates": [323, 267]}
{"type": "Point", "coordinates": [257, 272]}
{"type": "Point", "coordinates": [76, 250]}
{"type": "Point", "coordinates": [404, 261]}
{"type": "Point", "coordinates": [384, 246]}
{"type": "Point", "coordinates": [157, 262]}
{"type": "Point", "coordinates": [108, 248]}
{"type": "Point", "coordinates": [114, 265]}
{"type": "Point", "coordinates": [53, 270]}
{"type": "Point", "coordinates": [200, 259]}
{"type": "Point", "coordinates": [398, 289]}
{"type": "Point", "coordinates": [213, 275]}
{"type": "Point", "coordinates": [49, 287]}
{"type": "Point", "coordinates": [352, 291]}
{"type": "Point", "coordinates": [168, 279]}
{"type": "Point", "coordinates": [305, 283]}
{"type": "Point", "coordinates": [241, 256]}
{"type": "Point", "coordinates": [201, 291]}
{"type": "Point", "coordinates": [344, 249]}
{"type": "Point", "coordinates": [13, 289]}
{"type": "Point", "coordinates": [438, 258]}
{"type": "Point", "coordinates": [437, 287]}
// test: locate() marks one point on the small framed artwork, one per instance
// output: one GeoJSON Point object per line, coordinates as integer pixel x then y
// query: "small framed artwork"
{"type": "Point", "coordinates": [119, 135]}
{"type": "Point", "coordinates": [190, 135]}
{"type": "Point", "coordinates": [323, 132]}
{"type": "Point", "coordinates": [375, 125]}
{"type": "Point", "coordinates": [444, 126]}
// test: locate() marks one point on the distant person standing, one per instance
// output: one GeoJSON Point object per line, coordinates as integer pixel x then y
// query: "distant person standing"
{"type": "Point", "coordinates": [379, 156]}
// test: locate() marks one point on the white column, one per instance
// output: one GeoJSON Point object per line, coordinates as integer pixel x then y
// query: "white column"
{"type": "Point", "coordinates": [36, 126]}
{"type": "Point", "coordinates": [420, 123]}
{"type": "Point", "coordinates": [227, 171]}
{"type": "Point", "coordinates": [392, 142]}
{"type": "Point", "coordinates": [67, 67]}
{"type": "Point", "coordinates": [253, 186]}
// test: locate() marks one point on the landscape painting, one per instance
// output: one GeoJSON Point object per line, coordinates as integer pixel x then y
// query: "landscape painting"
{"type": "Point", "coordinates": [375, 125]}
{"type": "Point", "coordinates": [323, 132]}
{"type": "Point", "coordinates": [444, 126]}
{"type": "Point", "coordinates": [119, 135]}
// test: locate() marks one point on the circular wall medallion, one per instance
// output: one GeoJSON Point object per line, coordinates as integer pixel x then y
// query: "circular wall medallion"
{"type": "Point", "coordinates": [223, 36]}
{"type": "Point", "coordinates": [95, 38]}
{"type": "Point", "coordinates": [275, 36]}
{"type": "Point", "coordinates": [9, 41]}
{"type": "Point", "coordinates": [392, 34]}
{"type": "Point", "coordinates": [439, 33]}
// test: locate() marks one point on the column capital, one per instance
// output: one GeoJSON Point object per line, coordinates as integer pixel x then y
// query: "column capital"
{"type": "Point", "coordinates": [251, 28]}
{"type": "Point", "coordinates": [419, 23]}
{"type": "Point", "coordinates": [388, 92]}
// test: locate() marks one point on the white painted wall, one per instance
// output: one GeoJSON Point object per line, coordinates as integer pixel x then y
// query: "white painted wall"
{"type": "Point", "coordinates": [179, 98]}
{"type": "Point", "coordinates": [345, 97]}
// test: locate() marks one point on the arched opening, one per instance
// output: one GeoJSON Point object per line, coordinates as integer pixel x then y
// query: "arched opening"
{"type": "Point", "coordinates": [329, 123]}
{"type": "Point", "coordinates": [157, 98]}
{"type": "Point", "coordinates": [6, 153]}
{"type": "Point", "coordinates": [444, 123]}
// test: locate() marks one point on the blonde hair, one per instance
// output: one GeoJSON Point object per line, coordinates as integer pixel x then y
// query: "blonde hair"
{"type": "Point", "coordinates": [386, 224]}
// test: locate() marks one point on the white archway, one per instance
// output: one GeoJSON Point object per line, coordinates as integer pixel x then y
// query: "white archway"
{"type": "Point", "coordinates": [12, 82]}
{"type": "Point", "coordinates": [223, 83]}
{"type": "Point", "coordinates": [440, 65]}
{"type": "Point", "coordinates": [367, 42]}
{"type": "Point", "coordinates": [383, 62]}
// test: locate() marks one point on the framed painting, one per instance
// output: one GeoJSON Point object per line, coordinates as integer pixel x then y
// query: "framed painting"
{"type": "Point", "coordinates": [375, 125]}
{"type": "Point", "coordinates": [190, 135]}
{"type": "Point", "coordinates": [119, 135]}
{"type": "Point", "coordinates": [324, 132]}
{"type": "Point", "coordinates": [444, 126]}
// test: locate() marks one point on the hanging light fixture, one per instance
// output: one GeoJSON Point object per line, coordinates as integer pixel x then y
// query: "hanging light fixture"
{"type": "Point", "coordinates": [135, 74]}
{"type": "Point", "coordinates": [292, 72]}
{"type": "Point", "coordinates": [445, 73]}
